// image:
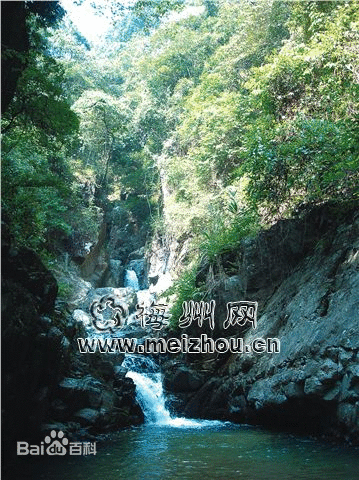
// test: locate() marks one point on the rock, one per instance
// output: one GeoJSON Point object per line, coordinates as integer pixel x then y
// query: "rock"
{"type": "Point", "coordinates": [95, 403]}
{"type": "Point", "coordinates": [348, 414]}
{"type": "Point", "coordinates": [25, 268]}
{"type": "Point", "coordinates": [120, 372]}
{"type": "Point", "coordinates": [79, 393]}
{"type": "Point", "coordinates": [67, 428]}
{"type": "Point", "coordinates": [116, 273]}
{"type": "Point", "coordinates": [31, 365]}
{"type": "Point", "coordinates": [105, 369]}
{"type": "Point", "coordinates": [308, 299]}
{"type": "Point", "coordinates": [88, 416]}
{"type": "Point", "coordinates": [184, 379]}
{"type": "Point", "coordinates": [45, 323]}
{"type": "Point", "coordinates": [126, 235]}
{"type": "Point", "coordinates": [81, 290]}
{"type": "Point", "coordinates": [137, 254]}
{"type": "Point", "coordinates": [59, 410]}
{"type": "Point", "coordinates": [313, 386]}
{"type": "Point", "coordinates": [153, 279]}
{"type": "Point", "coordinates": [293, 390]}
{"type": "Point", "coordinates": [122, 295]}
{"type": "Point", "coordinates": [333, 394]}
{"type": "Point", "coordinates": [201, 405]}
{"type": "Point", "coordinates": [46, 381]}
{"type": "Point", "coordinates": [59, 340]}
{"type": "Point", "coordinates": [163, 283]}
{"type": "Point", "coordinates": [265, 393]}
{"type": "Point", "coordinates": [349, 390]}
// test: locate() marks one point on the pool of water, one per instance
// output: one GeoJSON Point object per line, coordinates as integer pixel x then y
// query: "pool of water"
{"type": "Point", "coordinates": [207, 450]}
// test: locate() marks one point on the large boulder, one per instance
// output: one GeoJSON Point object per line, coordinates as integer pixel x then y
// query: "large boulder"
{"type": "Point", "coordinates": [97, 404]}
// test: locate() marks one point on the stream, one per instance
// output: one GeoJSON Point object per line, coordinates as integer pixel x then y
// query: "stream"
{"type": "Point", "coordinates": [167, 447]}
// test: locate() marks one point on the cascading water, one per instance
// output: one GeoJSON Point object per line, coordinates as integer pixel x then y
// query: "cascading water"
{"type": "Point", "coordinates": [147, 378]}
{"type": "Point", "coordinates": [131, 280]}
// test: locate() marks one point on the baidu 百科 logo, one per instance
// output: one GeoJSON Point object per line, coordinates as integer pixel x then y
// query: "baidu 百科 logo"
{"type": "Point", "coordinates": [56, 444]}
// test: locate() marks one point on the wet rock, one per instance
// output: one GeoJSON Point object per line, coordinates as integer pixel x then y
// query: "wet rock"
{"type": "Point", "coordinates": [106, 369]}
{"type": "Point", "coordinates": [348, 414]}
{"type": "Point", "coordinates": [137, 254]}
{"type": "Point", "coordinates": [88, 416]}
{"type": "Point", "coordinates": [120, 372]}
{"type": "Point", "coordinates": [184, 379]}
{"type": "Point", "coordinates": [116, 273]}
{"type": "Point", "coordinates": [81, 392]}
{"type": "Point", "coordinates": [81, 288]}
{"type": "Point", "coordinates": [103, 405]}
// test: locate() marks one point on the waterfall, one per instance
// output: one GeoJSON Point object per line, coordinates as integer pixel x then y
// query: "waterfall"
{"type": "Point", "coordinates": [131, 280]}
{"type": "Point", "coordinates": [147, 378]}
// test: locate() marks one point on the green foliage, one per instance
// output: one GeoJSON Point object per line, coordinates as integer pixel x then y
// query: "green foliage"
{"type": "Point", "coordinates": [242, 91]}
{"type": "Point", "coordinates": [36, 195]}
{"type": "Point", "coordinates": [302, 142]}
{"type": "Point", "coordinates": [148, 12]}
{"type": "Point", "coordinates": [38, 128]}
{"type": "Point", "coordinates": [259, 99]}
{"type": "Point", "coordinates": [304, 160]}
{"type": "Point", "coordinates": [65, 290]}
{"type": "Point", "coordinates": [216, 121]}
{"type": "Point", "coordinates": [227, 230]}
{"type": "Point", "coordinates": [139, 207]}
{"type": "Point", "coordinates": [38, 101]}
{"type": "Point", "coordinates": [311, 17]}
{"type": "Point", "coordinates": [185, 290]}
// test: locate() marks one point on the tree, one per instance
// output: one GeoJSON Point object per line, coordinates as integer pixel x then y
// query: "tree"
{"type": "Point", "coordinates": [37, 128]}
{"type": "Point", "coordinates": [15, 40]}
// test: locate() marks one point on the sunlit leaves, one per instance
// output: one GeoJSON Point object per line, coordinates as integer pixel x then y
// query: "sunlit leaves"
{"type": "Point", "coordinates": [39, 101]}
{"type": "Point", "coordinates": [301, 143]}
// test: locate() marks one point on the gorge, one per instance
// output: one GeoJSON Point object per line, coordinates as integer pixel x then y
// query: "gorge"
{"type": "Point", "coordinates": [309, 387]}
{"type": "Point", "coordinates": [188, 178]}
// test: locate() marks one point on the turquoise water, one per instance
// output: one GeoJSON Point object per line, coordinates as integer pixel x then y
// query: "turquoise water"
{"type": "Point", "coordinates": [211, 451]}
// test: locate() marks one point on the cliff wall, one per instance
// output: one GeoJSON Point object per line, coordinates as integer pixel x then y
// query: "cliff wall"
{"type": "Point", "coordinates": [304, 273]}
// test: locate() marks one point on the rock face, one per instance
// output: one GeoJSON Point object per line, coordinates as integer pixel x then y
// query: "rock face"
{"type": "Point", "coordinates": [98, 404]}
{"type": "Point", "coordinates": [45, 379]}
{"type": "Point", "coordinates": [126, 235]}
{"type": "Point", "coordinates": [164, 260]}
{"type": "Point", "coordinates": [305, 276]}
{"type": "Point", "coordinates": [34, 352]}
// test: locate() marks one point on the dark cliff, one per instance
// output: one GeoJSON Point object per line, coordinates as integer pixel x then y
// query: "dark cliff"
{"type": "Point", "coordinates": [304, 274]}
